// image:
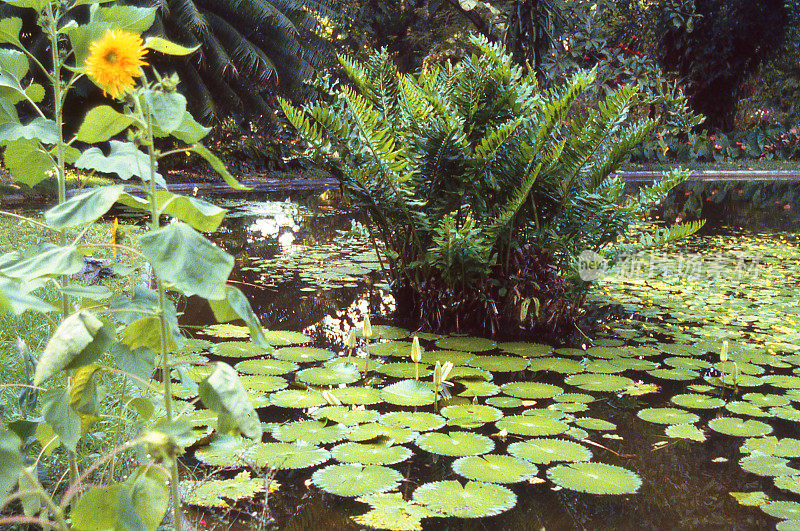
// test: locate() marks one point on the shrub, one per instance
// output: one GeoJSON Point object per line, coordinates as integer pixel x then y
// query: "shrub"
{"type": "Point", "coordinates": [483, 190]}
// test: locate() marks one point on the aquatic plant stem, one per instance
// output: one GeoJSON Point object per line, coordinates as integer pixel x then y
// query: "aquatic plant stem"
{"type": "Point", "coordinates": [177, 520]}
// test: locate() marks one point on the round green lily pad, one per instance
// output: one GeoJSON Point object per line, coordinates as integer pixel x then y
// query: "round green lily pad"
{"type": "Point", "coordinates": [545, 451]}
{"type": "Point", "coordinates": [533, 425]}
{"type": "Point", "coordinates": [352, 480]}
{"type": "Point", "coordinates": [322, 376]}
{"type": "Point", "coordinates": [505, 402]}
{"type": "Point", "coordinates": [408, 393]}
{"type": "Point", "coordinates": [455, 443]}
{"type": "Point", "coordinates": [474, 414]}
{"type": "Point", "coordinates": [285, 456]}
{"type": "Point", "coordinates": [263, 383]}
{"type": "Point", "coordinates": [739, 427]}
{"type": "Point", "coordinates": [579, 398]}
{"type": "Point", "coordinates": [766, 400]}
{"type": "Point", "coordinates": [767, 465]}
{"type": "Point", "coordinates": [375, 431]}
{"type": "Point", "coordinates": [559, 365]}
{"type": "Point", "coordinates": [238, 349]}
{"type": "Point", "coordinates": [404, 370]}
{"type": "Point", "coordinates": [376, 453]}
{"type": "Point", "coordinates": [310, 431]}
{"type": "Point", "coordinates": [282, 338]}
{"type": "Point", "coordinates": [297, 399]}
{"type": "Point", "coordinates": [471, 500]}
{"type": "Point", "coordinates": [492, 468]}
{"type": "Point", "coordinates": [397, 349]}
{"type": "Point", "coordinates": [526, 350]}
{"type": "Point", "coordinates": [443, 356]}
{"type": "Point", "coordinates": [499, 363]}
{"type": "Point", "coordinates": [667, 415]}
{"type": "Point", "coordinates": [530, 390]}
{"type": "Point", "coordinates": [787, 510]}
{"type": "Point", "coordinates": [224, 451]}
{"type": "Point", "coordinates": [590, 423]}
{"type": "Point", "coordinates": [467, 344]}
{"type": "Point", "coordinates": [478, 388]}
{"type": "Point", "coordinates": [357, 396]}
{"type": "Point", "coordinates": [345, 415]}
{"type": "Point", "coordinates": [303, 354]}
{"type": "Point", "coordinates": [741, 407]}
{"type": "Point", "coordinates": [790, 483]}
{"type": "Point", "coordinates": [599, 382]}
{"type": "Point", "coordinates": [685, 431]}
{"type": "Point", "coordinates": [674, 374]}
{"type": "Point", "coordinates": [595, 478]}
{"type": "Point", "coordinates": [267, 367]}
{"type": "Point", "coordinates": [697, 401]}
{"type": "Point", "coordinates": [786, 447]}
{"type": "Point", "coordinates": [416, 421]}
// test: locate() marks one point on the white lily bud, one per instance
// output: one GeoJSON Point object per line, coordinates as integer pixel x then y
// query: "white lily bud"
{"type": "Point", "coordinates": [416, 350]}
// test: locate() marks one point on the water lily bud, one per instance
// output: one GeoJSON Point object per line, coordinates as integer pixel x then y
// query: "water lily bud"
{"type": "Point", "coordinates": [416, 351]}
{"type": "Point", "coordinates": [437, 374]}
{"type": "Point", "coordinates": [723, 355]}
{"type": "Point", "coordinates": [446, 368]}
{"type": "Point", "coordinates": [351, 339]}
{"type": "Point", "coordinates": [367, 333]}
{"type": "Point", "coordinates": [331, 399]}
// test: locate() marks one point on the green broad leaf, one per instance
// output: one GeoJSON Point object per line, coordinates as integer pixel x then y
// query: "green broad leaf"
{"type": "Point", "coordinates": [83, 208]}
{"type": "Point", "coordinates": [9, 30]}
{"type": "Point", "coordinates": [83, 395]}
{"type": "Point", "coordinates": [94, 293]}
{"type": "Point", "coordinates": [35, 92]}
{"type": "Point", "coordinates": [218, 166]}
{"type": "Point", "coordinates": [190, 131]}
{"type": "Point", "coordinates": [128, 18]}
{"type": "Point", "coordinates": [27, 163]}
{"type": "Point", "coordinates": [97, 508]}
{"type": "Point", "coordinates": [236, 306]}
{"type": "Point", "coordinates": [350, 480]}
{"type": "Point", "coordinates": [124, 159]}
{"type": "Point", "coordinates": [40, 129]}
{"type": "Point", "coordinates": [201, 215]}
{"type": "Point", "coordinates": [64, 421]}
{"type": "Point", "coordinates": [8, 112]}
{"type": "Point", "coordinates": [36, 5]}
{"type": "Point", "coordinates": [224, 393]}
{"type": "Point", "coordinates": [145, 332]}
{"type": "Point", "coordinates": [166, 108]}
{"type": "Point", "coordinates": [10, 87]}
{"type": "Point", "coordinates": [50, 260]}
{"type": "Point", "coordinates": [182, 257]}
{"type": "Point", "coordinates": [11, 461]}
{"type": "Point", "coordinates": [32, 503]}
{"type": "Point", "coordinates": [146, 300]}
{"type": "Point", "coordinates": [168, 47]}
{"type": "Point", "coordinates": [148, 498]}
{"type": "Point", "coordinates": [79, 340]}
{"type": "Point", "coordinates": [14, 299]}
{"type": "Point", "coordinates": [101, 123]}
{"type": "Point", "coordinates": [14, 62]}
{"type": "Point", "coordinates": [474, 499]}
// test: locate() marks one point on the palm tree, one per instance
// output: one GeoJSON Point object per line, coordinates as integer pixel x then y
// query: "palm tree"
{"type": "Point", "coordinates": [248, 50]}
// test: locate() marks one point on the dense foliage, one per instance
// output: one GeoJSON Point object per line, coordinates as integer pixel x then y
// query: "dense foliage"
{"type": "Point", "coordinates": [483, 188]}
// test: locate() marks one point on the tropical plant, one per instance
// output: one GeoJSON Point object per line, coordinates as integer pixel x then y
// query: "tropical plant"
{"type": "Point", "coordinates": [126, 335]}
{"type": "Point", "coordinates": [248, 49]}
{"type": "Point", "coordinates": [482, 188]}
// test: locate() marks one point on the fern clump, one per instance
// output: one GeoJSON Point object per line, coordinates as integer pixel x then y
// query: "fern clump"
{"type": "Point", "coordinates": [483, 189]}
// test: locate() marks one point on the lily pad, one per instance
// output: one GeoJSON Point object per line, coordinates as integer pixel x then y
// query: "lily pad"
{"type": "Point", "coordinates": [667, 415]}
{"type": "Point", "coordinates": [530, 390]}
{"type": "Point", "coordinates": [472, 500]}
{"type": "Point", "coordinates": [310, 431]}
{"type": "Point", "coordinates": [765, 400]}
{"type": "Point", "coordinates": [504, 402]}
{"type": "Point", "coordinates": [697, 401]}
{"type": "Point", "coordinates": [739, 427]}
{"type": "Point", "coordinates": [590, 423]}
{"type": "Point", "coordinates": [408, 393]}
{"type": "Point", "coordinates": [526, 350]}
{"type": "Point", "coordinates": [767, 465]}
{"type": "Point", "coordinates": [282, 338]}
{"type": "Point", "coordinates": [499, 363]}
{"type": "Point", "coordinates": [303, 354]}
{"type": "Point", "coordinates": [266, 367]}
{"type": "Point", "coordinates": [492, 468]}
{"type": "Point", "coordinates": [375, 431]}
{"type": "Point", "coordinates": [345, 415]}
{"type": "Point", "coordinates": [471, 414]}
{"type": "Point", "coordinates": [322, 376]}
{"type": "Point", "coordinates": [787, 510]}
{"type": "Point", "coordinates": [685, 431]}
{"type": "Point", "coordinates": [790, 483]}
{"type": "Point", "coordinates": [263, 383]}
{"type": "Point", "coordinates": [297, 399]}
{"type": "Point", "coordinates": [599, 382]}
{"type": "Point", "coordinates": [443, 356]}
{"type": "Point", "coordinates": [545, 451]}
{"type": "Point", "coordinates": [467, 344]}
{"type": "Point", "coordinates": [285, 456]}
{"type": "Point", "coordinates": [535, 425]}
{"type": "Point", "coordinates": [376, 453]}
{"type": "Point", "coordinates": [238, 349]}
{"type": "Point", "coordinates": [220, 492]}
{"type": "Point", "coordinates": [351, 480]}
{"type": "Point", "coordinates": [391, 511]}
{"type": "Point", "coordinates": [786, 447]}
{"type": "Point", "coordinates": [224, 451]}
{"type": "Point", "coordinates": [559, 365]}
{"type": "Point", "coordinates": [416, 421]}
{"type": "Point", "coordinates": [595, 478]}
{"type": "Point", "coordinates": [455, 443]}
{"type": "Point", "coordinates": [404, 370]}
{"type": "Point", "coordinates": [357, 396]}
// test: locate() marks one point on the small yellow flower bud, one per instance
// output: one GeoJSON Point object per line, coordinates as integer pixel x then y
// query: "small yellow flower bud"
{"type": "Point", "coordinates": [367, 333]}
{"type": "Point", "coordinates": [416, 350]}
{"type": "Point", "coordinates": [723, 355]}
{"type": "Point", "coordinates": [351, 339]}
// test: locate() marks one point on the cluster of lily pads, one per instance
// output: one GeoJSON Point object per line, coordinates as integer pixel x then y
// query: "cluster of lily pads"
{"type": "Point", "coordinates": [357, 423]}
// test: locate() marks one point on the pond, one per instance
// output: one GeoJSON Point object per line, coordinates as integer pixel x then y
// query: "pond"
{"type": "Point", "coordinates": [677, 410]}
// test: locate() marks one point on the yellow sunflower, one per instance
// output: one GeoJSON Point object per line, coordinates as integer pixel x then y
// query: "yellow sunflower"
{"type": "Point", "coordinates": [115, 60]}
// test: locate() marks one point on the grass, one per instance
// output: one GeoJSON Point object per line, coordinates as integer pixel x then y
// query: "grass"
{"type": "Point", "coordinates": [116, 424]}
